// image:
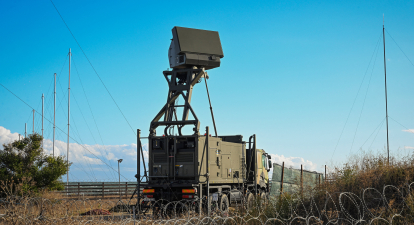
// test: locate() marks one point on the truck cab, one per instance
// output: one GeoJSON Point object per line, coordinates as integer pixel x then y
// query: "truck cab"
{"type": "Point", "coordinates": [264, 164]}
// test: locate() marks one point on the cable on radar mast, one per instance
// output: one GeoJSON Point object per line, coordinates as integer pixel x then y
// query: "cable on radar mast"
{"type": "Point", "coordinates": [90, 63]}
{"type": "Point", "coordinates": [60, 129]}
{"type": "Point", "coordinates": [353, 103]}
{"type": "Point", "coordinates": [90, 109]}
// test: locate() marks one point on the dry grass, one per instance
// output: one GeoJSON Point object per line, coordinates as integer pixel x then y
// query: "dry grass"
{"type": "Point", "coordinates": [368, 183]}
{"type": "Point", "coordinates": [360, 185]}
{"type": "Point", "coordinates": [19, 207]}
{"type": "Point", "coordinates": [368, 170]}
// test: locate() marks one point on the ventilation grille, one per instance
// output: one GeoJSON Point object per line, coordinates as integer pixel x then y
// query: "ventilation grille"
{"type": "Point", "coordinates": [160, 158]}
{"type": "Point", "coordinates": [184, 157]}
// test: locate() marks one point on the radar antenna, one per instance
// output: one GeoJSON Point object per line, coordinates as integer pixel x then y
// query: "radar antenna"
{"type": "Point", "coordinates": [191, 53]}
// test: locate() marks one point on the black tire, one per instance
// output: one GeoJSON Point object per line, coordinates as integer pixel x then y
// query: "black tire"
{"type": "Point", "coordinates": [250, 201]}
{"type": "Point", "coordinates": [263, 199]}
{"type": "Point", "coordinates": [224, 203]}
{"type": "Point", "coordinates": [157, 210]}
{"type": "Point", "coordinates": [213, 204]}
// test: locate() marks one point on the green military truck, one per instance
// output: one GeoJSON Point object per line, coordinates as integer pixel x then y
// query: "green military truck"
{"type": "Point", "coordinates": [220, 169]}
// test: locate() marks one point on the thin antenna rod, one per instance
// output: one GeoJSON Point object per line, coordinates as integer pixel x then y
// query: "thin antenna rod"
{"type": "Point", "coordinates": [54, 118]}
{"type": "Point", "coordinates": [211, 108]}
{"type": "Point", "coordinates": [67, 155]}
{"type": "Point", "coordinates": [386, 100]}
{"type": "Point", "coordinates": [43, 102]}
{"type": "Point", "coordinates": [33, 121]}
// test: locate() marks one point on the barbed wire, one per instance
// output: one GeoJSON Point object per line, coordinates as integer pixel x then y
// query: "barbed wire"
{"type": "Point", "coordinates": [389, 205]}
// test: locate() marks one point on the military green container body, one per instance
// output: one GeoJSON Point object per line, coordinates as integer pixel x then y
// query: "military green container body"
{"type": "Point", "coordinates": [225, 161]}
{"type": "Point", "coordinates": [181, 159]}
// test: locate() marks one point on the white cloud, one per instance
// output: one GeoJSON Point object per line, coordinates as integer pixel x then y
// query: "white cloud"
{"type": "Point", "coordinates": [7, 137]}
{"type": "Point", "coordinates": [83, 154]}
{"type": "Point", "coordinates": [409, 130]}
{"type": "Point", "coordinates": [294, 162]}
{"type": "Point", "coordinates": [408, 147]}
{"type": "Point", "coordinates": [90, 153]}
{"type": "Point", "coordinates": [90, 162]}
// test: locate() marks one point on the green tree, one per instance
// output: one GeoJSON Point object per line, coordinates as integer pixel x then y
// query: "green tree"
{"type": "Point", "coordinates": [23, 162]}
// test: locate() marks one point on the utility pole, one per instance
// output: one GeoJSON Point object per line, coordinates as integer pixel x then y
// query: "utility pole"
{"type": "Point", "coordinates": [67, 154]}
{"type": "Point", "coordinates": [54, 118]}
{"type": "Point", "coordinates": [25, 130]}
{"type": "Point", "coordinates": [386, 100]}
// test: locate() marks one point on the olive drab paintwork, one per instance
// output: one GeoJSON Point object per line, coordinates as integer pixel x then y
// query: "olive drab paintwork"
{"type": "Point", "coordinates": [194, 47]}
{"type": "Point", "coordinates": [262, 175]}
{"type": "Point", "coordinates": [226, 159]}
{"type": "Point", "coordinates": [227, 167]}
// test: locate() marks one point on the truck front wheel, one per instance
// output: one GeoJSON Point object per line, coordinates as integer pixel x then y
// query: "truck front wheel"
{"type": "Point", "coordinates": [263, 200]}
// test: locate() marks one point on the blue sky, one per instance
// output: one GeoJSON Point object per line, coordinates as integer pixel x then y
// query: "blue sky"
{"type": "Point", "coordinates": [290, 74]}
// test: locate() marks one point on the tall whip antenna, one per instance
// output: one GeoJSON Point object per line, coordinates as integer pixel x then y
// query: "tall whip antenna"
{"type": "Point", "coordinates": [386, 100]}
{"type": "Point", "coordinates": [43, 102]}
{"type": "Point", "coordinates": [67, 154]}
{"type": "Point", "coordinates": [33, 121]}
{"type": "Point", "coordinates": [54, 118]}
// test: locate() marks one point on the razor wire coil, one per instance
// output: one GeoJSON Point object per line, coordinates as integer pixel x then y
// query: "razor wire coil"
{"type": "Point", "coordinates": [392, 205]}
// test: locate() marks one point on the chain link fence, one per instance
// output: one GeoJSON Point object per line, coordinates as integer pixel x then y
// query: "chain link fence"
{"type": "Point", "coordinates": [291, 180]}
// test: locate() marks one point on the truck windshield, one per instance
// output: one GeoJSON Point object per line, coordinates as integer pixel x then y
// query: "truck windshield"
{"type": "Point", "coordinates": [264, 161]}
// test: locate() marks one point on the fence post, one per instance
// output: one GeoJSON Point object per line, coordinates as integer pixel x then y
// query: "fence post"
{"type": "Point", "coordinates": [133, 209]}
{"type": "Point", "coordinates": [281, 183]}
{"type": "Point", "coordinates": [103, 189]}
{"type": "Point", "coordinates": [78, 190]}
{"type": "Point", "coordinates": [126, 190]}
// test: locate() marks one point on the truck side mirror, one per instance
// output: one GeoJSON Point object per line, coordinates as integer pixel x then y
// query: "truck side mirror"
{"type": "Point", "coordinates": [270, 164]}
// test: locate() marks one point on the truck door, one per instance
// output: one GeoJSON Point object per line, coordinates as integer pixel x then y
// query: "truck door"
{"type": "Point", "coordinates": [259, 165]}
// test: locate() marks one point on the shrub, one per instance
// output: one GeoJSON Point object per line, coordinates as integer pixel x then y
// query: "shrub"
{"type": "Point", "coordinates": [23, 162]}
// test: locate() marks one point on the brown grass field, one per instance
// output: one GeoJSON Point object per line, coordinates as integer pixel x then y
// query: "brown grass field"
{"type": "Point", "coordinates": [365, 190]}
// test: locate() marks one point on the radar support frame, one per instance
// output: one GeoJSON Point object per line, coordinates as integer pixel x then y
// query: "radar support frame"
{"type": "Point", "coordinates": [180, 83]}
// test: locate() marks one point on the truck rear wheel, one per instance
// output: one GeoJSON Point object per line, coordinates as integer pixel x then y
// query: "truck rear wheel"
{"type": "Point", "coordinates": [212, 203]}
{"type": "Point", "coordinates": [250, 201]}
{"type": "Point", "coordinates": [157, 210]}
{"type": "Point", "coordinates": [224, 203]}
